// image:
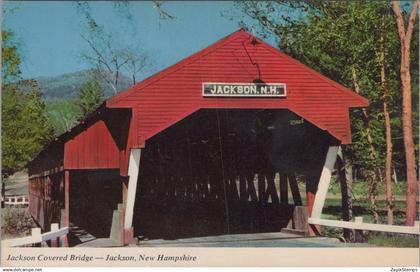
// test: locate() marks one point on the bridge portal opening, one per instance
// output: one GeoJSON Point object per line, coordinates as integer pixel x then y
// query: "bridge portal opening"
{"type": "Point", "coordinates": [227, 171]}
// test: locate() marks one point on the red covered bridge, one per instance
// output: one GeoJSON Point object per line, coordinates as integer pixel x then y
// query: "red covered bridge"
{"type": "Point", "coordinates": [206, 146]}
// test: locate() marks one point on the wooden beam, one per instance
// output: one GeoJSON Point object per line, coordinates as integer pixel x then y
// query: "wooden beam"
{"type": "Point", "coordinates": [324, 181]}
{"type": "Point", "coordinates": [271, 188]}
{"type": "Point", "coordinates": [284, 197]}
{"type": "Point", "coordinates": [360, 225]}
{"type": "Point", "coordinates": [295, 189]}
{"type": "Point", "coordinates": [251, 187]}
{"type": "Point", "coordinates": [313, 230]}
{"type": "Point", "coordinates": [261, 187]}
{"type": "Point", "coordinates": [66, 220]}
{"type": "Point", "coordinates": [243, 194]}
{"type": "Point", "coordinates": [233, 189]}
{"type": "Point", "coordinates": [51, 171]}
{"type": "Point", "coordinates": [124, 189]}
{"type": "Point", "coordinates": [133, 172]}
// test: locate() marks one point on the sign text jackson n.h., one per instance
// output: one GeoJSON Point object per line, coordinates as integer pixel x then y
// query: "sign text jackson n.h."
{"type": "Point", "coordinates": [211, 89]}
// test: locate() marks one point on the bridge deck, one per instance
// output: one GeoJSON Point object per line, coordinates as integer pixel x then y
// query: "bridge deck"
{"type": "Point", "coordinates": [274, 239]}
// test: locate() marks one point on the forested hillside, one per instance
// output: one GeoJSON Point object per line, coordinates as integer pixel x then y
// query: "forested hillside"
{"type": "Point", "coordinates": [68, 85]}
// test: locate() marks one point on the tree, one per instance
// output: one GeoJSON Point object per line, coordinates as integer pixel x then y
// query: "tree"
{"type": "Point", "coordinates": [63, 113]}
{"type": "Point", "coordinates": [11, 59]}
{"type": "Point", "coordinates": [110, 59]}
{"type": "Point", "coordinates": [388, 129]}
{"type": "Point", "coordinates": [105, 52]}
{"type": "Point", "coordinates": [25, 127]}
{"type": "Point", "coordinates": [163, 14]}
{"type": "Point", "coordinates": [90, 98]}
{"type": "Point", "coordinates": [136, 63]}
{"type": "Point", "coordinates": [405, 35]}
{"type": "Point", "coordinates": [351, 43]}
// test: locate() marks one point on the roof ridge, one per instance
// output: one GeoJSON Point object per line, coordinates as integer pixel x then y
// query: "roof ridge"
{"type": "Point", "coordinates": [221, 42]}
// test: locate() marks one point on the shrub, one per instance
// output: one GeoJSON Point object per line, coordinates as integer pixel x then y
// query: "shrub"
{"type": "Point", "coordinates": [16, 222]}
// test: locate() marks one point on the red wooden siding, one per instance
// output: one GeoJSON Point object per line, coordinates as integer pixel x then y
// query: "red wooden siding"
{"type": "Point", "coordinates": [92, 148]}
{"type": "Point", "coordinates": [130, 143]}
{"type": "Point", "coordinates": [48, 160]}
{"type": "Point", "coordinates": [46, 199]}
{"type": "Point", "coordinates": [176, 92]}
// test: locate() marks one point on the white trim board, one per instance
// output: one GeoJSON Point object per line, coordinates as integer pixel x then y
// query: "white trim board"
{"type": "Point", "coordinates": [321, 195]}
{"type": "Point", "coordinates": [133, 173]}
{"type": "Point", "coordinates": [360, 225]}
{"type": "Point", "coordinates": [324, 181]}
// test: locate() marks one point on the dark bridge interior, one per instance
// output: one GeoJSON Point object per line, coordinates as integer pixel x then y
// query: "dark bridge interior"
{"type": "Point", "coordinates": [220, 172]}
{"type": "Point", "coordinates": [95, 194]}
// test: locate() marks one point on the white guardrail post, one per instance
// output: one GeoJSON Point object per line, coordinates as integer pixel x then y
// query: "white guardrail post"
{"type": "Point", "coordinates": [54, 241]}
{"type": "Point", "coordinates": [37, 237]}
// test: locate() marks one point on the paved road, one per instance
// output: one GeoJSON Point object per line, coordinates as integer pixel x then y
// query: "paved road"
{"type": "Point", "coordinates": [20, 188]}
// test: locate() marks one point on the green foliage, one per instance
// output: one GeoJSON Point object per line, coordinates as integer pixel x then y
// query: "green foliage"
{"type": "Point", "coordinates": [25, 127]}
{"type": "Point", "coordinates": [10, 57]}
{"type": "Point", "coordinates": [347, 37]}
{"type": "Point", "coordinates": [337, 38]}
{"type": "Point", "coordinates": [90, 97]}
{"type": "Point", "coordinates": [63, 114]}
{"type": "Point", "coordinates": [16, 222]}
{"type": "Point", "coordinates": [360, 188]}
{"type": "Point", "coordinates": [393, 240]}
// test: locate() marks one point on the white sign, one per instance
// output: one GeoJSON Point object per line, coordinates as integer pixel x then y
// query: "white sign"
{"type": "Point", "coordinates": [211, 89]}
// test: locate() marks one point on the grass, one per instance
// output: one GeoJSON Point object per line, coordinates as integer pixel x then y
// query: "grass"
{"type": "Point", "coordinates": [393, 240]}
{"type": "Point", "coordinates": [332, 210]}
{"type": "Point", "coordinates": [360, 189]}
{"type": "Point", "coordinates": [361, 207]}
{"type": "Point", "coordinates": [361, 203]}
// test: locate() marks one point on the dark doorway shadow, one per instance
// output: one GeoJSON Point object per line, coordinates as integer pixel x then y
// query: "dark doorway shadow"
{"type": "Point", "coordinates": [219, 172]}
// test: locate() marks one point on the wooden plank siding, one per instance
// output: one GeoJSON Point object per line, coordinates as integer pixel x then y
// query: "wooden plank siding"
{"type": "Point", "coordinates": [171, 95]}
{"type": "Point", "coordinates": [92, 149]}
{"type": "Point", "coordinates": [46, 198]}
{"type": "Point", "coordinates": [130, 118]}
{"type": "Point", "coordinates": [96, 143]}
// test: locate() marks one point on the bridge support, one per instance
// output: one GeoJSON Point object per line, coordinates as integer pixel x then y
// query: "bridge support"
{"type": "Point", "coordinates": [133, 172]}
{"type": "Point", "coordinates": [316, 203]}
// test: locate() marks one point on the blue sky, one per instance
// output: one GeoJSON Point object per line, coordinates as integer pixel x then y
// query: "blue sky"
{"type": "Point", "coordinates": [50, 41]}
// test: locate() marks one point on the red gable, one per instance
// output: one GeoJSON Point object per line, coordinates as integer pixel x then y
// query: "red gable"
{"type": "Point", "coordinates": [174, 93]}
